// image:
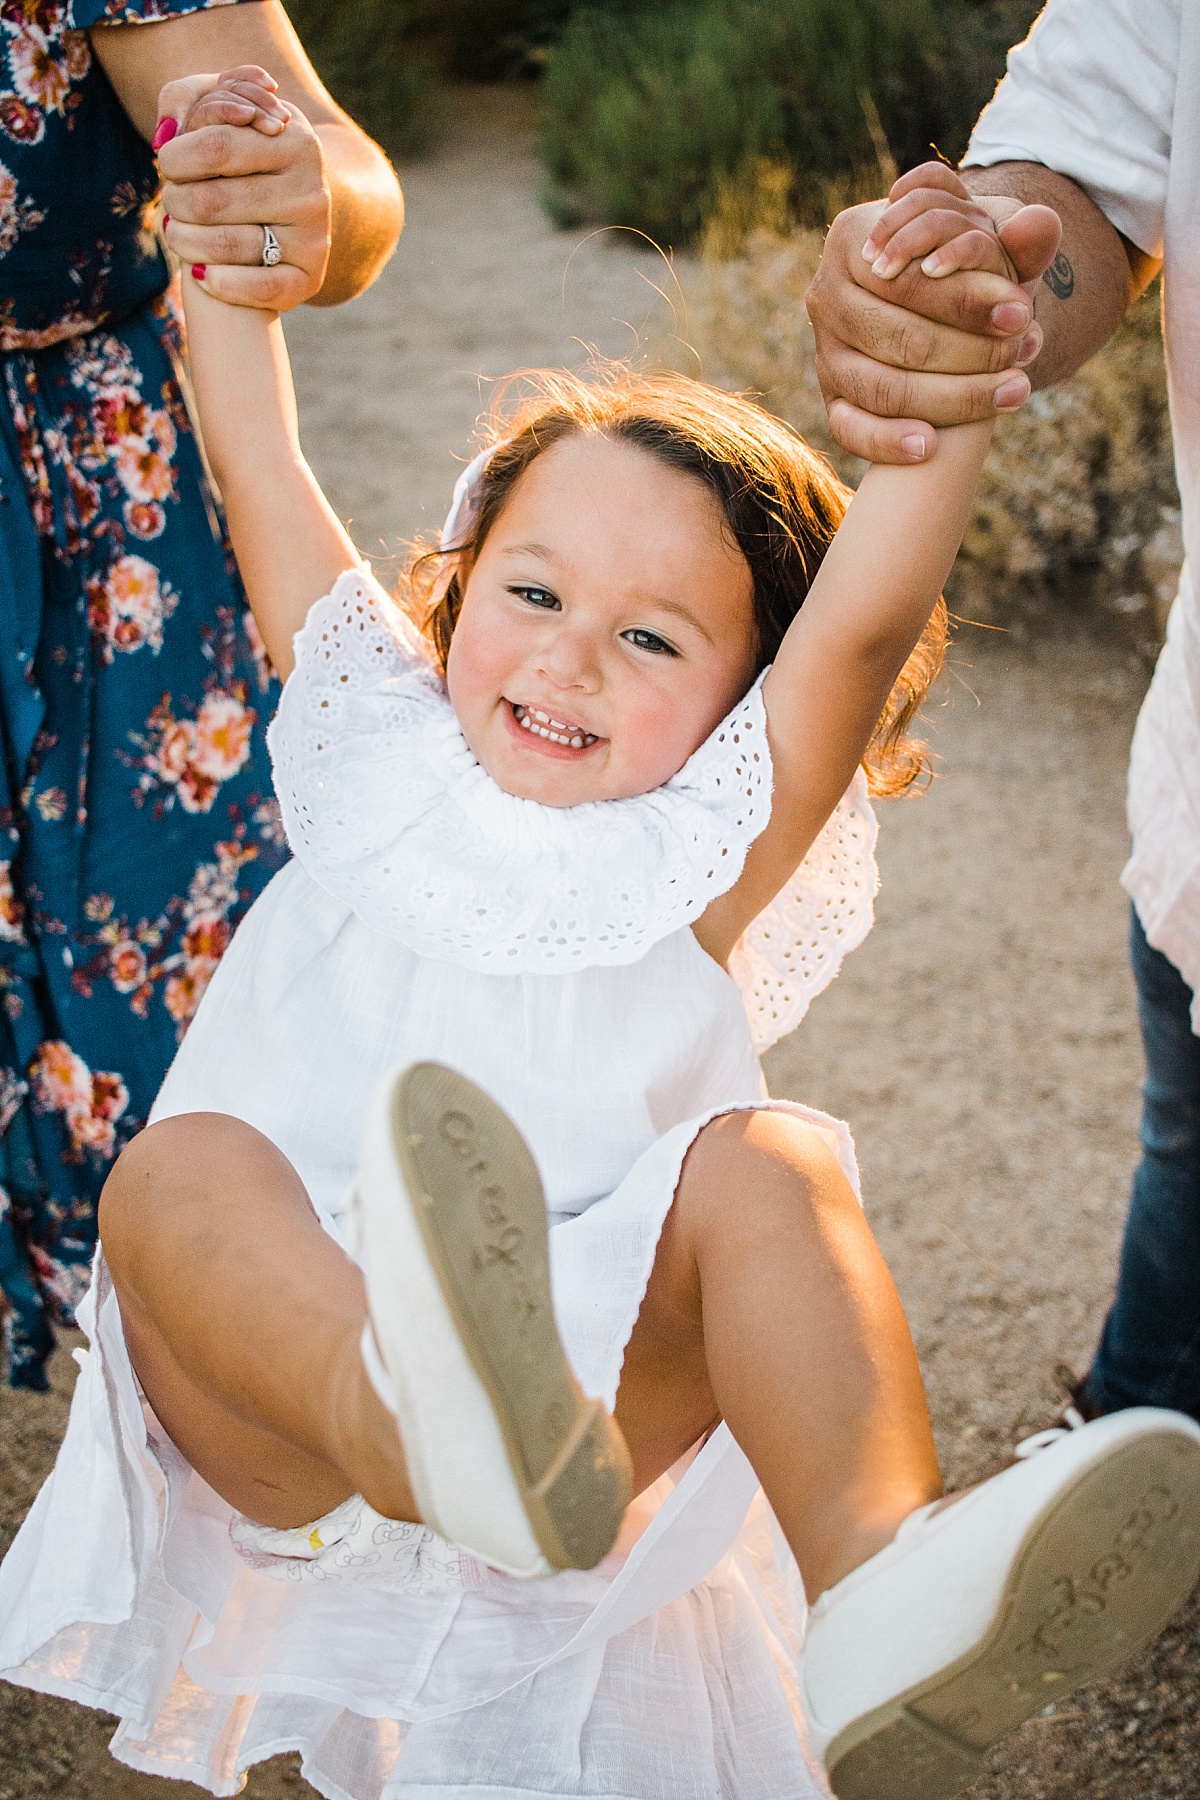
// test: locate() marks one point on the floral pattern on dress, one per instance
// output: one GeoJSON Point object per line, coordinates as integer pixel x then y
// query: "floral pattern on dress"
{"type": "Point", "coordinates": [175, 954]}
{"type": "Point", "coordinates": [45, 59]}
{"type": "Point", "coordinates": [128, 605]}
{"type": "Point", "coordinates": [188, 759]}
{"type": "Point", "coordinates": [137, 821]}
{"type": "Point", "coordinates": [50, 83]}
{"type": "Point", "coordinates": [91, 1103]}
{"type": "Point", "coordinates": [16, 215]}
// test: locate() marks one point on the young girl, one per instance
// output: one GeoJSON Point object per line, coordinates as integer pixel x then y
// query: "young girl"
{"type": "Point", "coordinates": [345, 1395]}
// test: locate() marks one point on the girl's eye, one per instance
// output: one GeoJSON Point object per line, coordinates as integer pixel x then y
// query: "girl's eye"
{"type": "Point", "coordinates": [649, 640]}
{"type": "Point", "coordinates": [538, 596]}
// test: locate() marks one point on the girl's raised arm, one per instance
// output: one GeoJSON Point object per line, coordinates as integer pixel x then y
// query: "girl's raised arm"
{"type": "Point", "coordinates": [290, 544]}
{"type": "Point", "coordinates": [876, 588]}
{"type": "Point", "coordinates": [868, 605]}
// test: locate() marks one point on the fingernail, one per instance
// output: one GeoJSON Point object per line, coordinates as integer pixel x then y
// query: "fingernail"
{"type": "Point", "coordinates": [1011, 316]}
{"type": "Point", "coordinates": [1012, 393]}
{"type": "Point", "coordinates": [166, 220]}
{"type": "Point", "coordinates": [1030, 344]}
{"type": "Point", "coordinates": [164, 131]}
{"type": "Point", "coordinates": [882, 266]}
{"type": "Point", "coordinates": [931, 266]}
{"type": "Point", "coordinates": [198, 271]}
{"type": "Point", "coordinates": [913, 447]}
{"type": "Point", "coordinates": [869, 251]}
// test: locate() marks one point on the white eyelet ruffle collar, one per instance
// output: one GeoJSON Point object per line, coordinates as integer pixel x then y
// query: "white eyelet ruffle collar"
{"type": "Point", "coordinates": [387, 808]}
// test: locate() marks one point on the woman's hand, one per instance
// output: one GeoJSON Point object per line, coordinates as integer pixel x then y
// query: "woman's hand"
{"type": "Point", "coordinates": [264, 177]}
{"type": "Point", "coordinates": [236, 158]}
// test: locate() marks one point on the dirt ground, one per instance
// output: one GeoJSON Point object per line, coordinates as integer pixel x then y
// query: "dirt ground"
{"type": "Point", "coordinates": [982, 1043]}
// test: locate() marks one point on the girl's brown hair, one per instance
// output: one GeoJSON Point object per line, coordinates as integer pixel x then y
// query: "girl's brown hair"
{"type": "Point", "coordinates": [781, 500]}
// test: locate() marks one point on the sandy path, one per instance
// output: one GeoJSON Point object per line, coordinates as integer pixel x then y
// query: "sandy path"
{"type": "Point", "coordinates": [982, 1043]}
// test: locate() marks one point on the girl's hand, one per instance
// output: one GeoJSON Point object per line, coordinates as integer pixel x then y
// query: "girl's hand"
{"type": "Point", "coordinates": [932, 218]}
{"type": "Point", "coordinates": [236, 158]}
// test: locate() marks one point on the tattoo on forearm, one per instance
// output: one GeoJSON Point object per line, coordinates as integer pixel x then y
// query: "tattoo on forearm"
{"type": "Point", "coordinates": [1060, 278]}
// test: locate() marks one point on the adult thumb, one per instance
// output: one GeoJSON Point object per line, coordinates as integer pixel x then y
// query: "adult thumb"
{"type": "Point", "coordinates": [1031, 238]}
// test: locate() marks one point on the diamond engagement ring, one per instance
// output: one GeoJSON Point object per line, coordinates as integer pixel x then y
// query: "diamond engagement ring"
{"type": "Point", "coordinates": [271, 253]}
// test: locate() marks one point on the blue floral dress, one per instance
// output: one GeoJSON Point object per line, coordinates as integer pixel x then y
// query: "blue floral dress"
{"type": "Point", "coordinates": [136, 816]}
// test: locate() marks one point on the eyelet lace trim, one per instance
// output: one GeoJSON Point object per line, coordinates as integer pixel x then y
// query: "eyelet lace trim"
{"type": "Point", "coordinates": [387, 808]}
{"type": "Point", "coordinates": [797, 944]}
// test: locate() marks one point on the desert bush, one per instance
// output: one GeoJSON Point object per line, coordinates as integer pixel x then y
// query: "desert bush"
{"type": "Point", "coordinates": [386, 61]}
{"type": "Point", "coordinates": [1077, 513]}
{"type": "Point", "coordinates": [651, 110]}
{"type": "Point", "coordinates": [379, 60]}
{"type": "Point", "coordinates": [649, 114]}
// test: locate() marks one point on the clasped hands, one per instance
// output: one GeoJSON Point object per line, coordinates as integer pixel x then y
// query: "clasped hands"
{"type": "Point", "coordinates": [235, 157]}
{"type": "Point", "coordinates": [922, 309]}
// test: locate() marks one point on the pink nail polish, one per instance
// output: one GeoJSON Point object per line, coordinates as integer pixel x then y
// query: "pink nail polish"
{"type": "Point", "coordinates": [166, 220]}
{"type": "Point", "coordinates": [198, 271]}
{"type": "Point", "coordinates": [164, 131]}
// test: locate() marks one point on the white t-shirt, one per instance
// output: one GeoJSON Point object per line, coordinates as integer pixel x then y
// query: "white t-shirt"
{"type": "Point", "coordinates": [1108, 92]}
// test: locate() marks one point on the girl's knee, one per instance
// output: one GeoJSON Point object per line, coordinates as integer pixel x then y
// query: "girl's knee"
{"type": "Point", "coordinates": [770, 1139]}
{"type": "Point", "coordinates": [753, 1162]}
{"type": "Point", "coordinates": [169, 1162]}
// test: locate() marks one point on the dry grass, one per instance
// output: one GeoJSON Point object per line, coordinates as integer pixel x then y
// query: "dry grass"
{"type": "Point", "coordinates": [1077, 510]}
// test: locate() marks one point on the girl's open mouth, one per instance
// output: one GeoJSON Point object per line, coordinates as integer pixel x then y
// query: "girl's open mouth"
{"type": "Point", "coordinates": [544, 728]}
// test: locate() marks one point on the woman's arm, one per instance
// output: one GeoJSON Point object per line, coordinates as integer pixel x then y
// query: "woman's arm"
{"type": "Point", "coordinates": [290, 545]}
{"type": "Point", "coordinates": [235, 178]}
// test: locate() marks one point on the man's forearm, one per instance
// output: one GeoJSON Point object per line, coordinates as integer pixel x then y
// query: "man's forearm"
{"type": "Point", "coordinates": [368, 212]}
{"type": "Point", "coordinates": [1097, 274]}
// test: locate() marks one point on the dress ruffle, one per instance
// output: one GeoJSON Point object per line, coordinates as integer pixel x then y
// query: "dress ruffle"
{"type": "Point", "coordinates": [388, 810]}
{"type": "Point", "coordinates": [386, 806]}
{"type": "Point", "coordinates": [797, 944]}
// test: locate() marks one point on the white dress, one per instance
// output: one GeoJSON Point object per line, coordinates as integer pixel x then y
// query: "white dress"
{"type": "Point", "coordinates": [548, 954]}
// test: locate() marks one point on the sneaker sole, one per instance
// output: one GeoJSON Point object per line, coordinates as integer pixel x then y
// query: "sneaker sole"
{"type": "Point", "coordinates": [1100, 1574]}
{"type": "Point", "coordinates": [478, 1203]}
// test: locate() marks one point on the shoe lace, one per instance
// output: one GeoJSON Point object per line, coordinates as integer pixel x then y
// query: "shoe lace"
{"type": "Point", "coordinates": [1073, 1420]}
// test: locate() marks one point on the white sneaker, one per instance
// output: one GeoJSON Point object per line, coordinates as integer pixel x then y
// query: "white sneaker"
{"type": "Point", "coordinates": [982, 1611]}
{"type": "Point", "coordinates": [506, 1455]}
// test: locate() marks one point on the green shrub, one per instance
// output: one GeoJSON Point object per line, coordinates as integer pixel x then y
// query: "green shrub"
{"type": "Point", "coordinates": [378, 60]}
{"type": "Point", "coordinates": [652, 111]}
{"type": "Point", "coordinates": [678, 107]}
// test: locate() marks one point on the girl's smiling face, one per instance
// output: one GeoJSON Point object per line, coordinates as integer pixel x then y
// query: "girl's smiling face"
{"type": "Point", "coordinates": [607, 626]}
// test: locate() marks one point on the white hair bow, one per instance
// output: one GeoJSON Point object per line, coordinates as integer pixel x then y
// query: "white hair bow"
{"type": "Point", "coordinates": [465, 502]}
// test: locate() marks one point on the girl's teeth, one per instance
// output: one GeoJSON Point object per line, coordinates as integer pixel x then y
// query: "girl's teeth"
{"type": "Point", "coordinates": [530, 719]}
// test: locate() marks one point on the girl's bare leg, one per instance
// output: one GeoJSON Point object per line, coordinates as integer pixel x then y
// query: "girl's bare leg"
{"type": "Point", "coordinates": [243, 1320]}
{"type": "Point", "coordinates": [771, 1307]}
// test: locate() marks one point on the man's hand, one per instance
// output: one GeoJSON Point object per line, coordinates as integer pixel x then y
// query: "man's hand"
{"type": "Point", "coordinates": [906, 345]}
{"type": "Point", "coordinates": [236, 158]}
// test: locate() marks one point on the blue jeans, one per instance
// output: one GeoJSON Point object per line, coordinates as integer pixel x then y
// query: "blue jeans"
{"type": "Point", "coordinates": [1149, 1353]}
